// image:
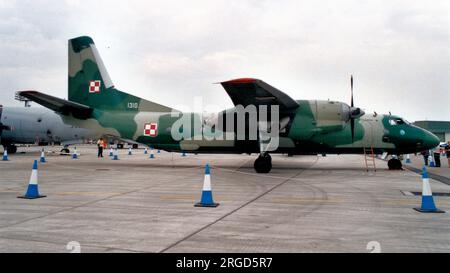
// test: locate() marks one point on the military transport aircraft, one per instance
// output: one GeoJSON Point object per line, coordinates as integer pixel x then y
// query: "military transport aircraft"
{"type": "Point", "coordinates": [304, 127]}
{"type": "Point", "coordinates": [29, 125]}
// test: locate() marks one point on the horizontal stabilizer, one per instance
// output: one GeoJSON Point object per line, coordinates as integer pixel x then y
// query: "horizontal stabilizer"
{"type": "Point", "coordinates": [61, 106]}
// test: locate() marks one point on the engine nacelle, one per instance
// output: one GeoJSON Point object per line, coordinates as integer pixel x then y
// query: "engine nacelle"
{"type": "Point", "coordinates": [330, 116]}
{"type": "Point", "coordinates": [315, 117]}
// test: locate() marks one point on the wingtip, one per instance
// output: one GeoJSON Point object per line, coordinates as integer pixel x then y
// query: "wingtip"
{"type": "Point", "coordinates": [241, 81]}
{"type": "Point", "coordinates": [25, 92]}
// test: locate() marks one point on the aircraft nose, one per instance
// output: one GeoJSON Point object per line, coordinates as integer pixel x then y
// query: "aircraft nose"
{"type": "Point", "coordinates": [430, 140]}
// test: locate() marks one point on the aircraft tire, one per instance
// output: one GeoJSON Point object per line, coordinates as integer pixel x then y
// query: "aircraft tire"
{"type": "Point", "coordinates": [395, 164]}
{"type": "Point", "coordinates": [263, 164]}
{"type": "Point", "coordinates": [12, 149]}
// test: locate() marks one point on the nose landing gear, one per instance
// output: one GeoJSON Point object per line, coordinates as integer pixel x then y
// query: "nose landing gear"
{"type": "Point", "coordinates": [395, 164]}
{"type": "Point", "coordinates": [263, 164]}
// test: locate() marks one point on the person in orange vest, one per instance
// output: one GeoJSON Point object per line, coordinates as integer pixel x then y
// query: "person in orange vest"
{"type": "Point", "coordinates": [100, 144]}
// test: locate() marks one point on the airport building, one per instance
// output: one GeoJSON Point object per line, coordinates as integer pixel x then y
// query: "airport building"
{"type": "Point", "coordinates": [439, 128]}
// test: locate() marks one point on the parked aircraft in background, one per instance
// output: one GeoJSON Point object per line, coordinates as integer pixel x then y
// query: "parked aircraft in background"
{"type": "Point", "coordinates": [37, 125]}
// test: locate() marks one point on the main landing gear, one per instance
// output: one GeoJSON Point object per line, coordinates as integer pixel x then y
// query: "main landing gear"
{"type": "Point", "coordinates": [65, 150]}
{"type": "Point", "coordinates": [11, 148]}
{"type": "Point", "coordinates": [263, 164]}
{"type": "Point", "coordinates": [395, 164]}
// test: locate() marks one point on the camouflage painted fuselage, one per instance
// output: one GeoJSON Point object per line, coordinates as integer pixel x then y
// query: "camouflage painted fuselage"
{"type": "Point", "coordinates": [317, 128]}
{"type": "Point", "coordinates": [309, 127]}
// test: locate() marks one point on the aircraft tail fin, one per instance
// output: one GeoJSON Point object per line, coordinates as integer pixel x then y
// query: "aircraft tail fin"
{"type": "Point", "coordinates": [90, 84]}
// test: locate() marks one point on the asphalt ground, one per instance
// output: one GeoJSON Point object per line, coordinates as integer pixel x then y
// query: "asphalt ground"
{"type": "Point", "coordinates": [138, 204]}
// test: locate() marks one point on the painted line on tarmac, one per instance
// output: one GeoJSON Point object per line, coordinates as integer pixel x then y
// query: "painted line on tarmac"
{"type": "Point", "coordinates": [189, 197]}
{"type": "Point", "coordinates": [302, 201]}
{"type": "Point", "coordinates": [86, 193]}
{"type": "Point", "coordinates": [235, 210]}
{"type": "Point", "coordinates": [434, 176]}
{"type": "Point", "coordinates": [411, 202]}
{"type": "Point", "coordinates": [85, 204]}
{"type": "Point", "coordinates": [62, 245]}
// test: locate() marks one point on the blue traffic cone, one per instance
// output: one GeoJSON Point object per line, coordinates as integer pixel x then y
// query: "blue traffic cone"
{"type": "Point", "coordinates": [183, 154]}
{"type": "Point", "coordinates": [427, 196]}
{"type": "Point", "coordinates": [145, 151]}
{"type": "Point", "coordinates": [152, 153]}
{"type": "Point", "coordinates": [129, 151]}
{"type": "Point", "coordinates": [207, 198]}
{"type": "Point", "coordinates": [33, 191]}
{"type": "Point", "coordinates": [42, 159]}
{"type": "Point", "coordinates": [408, 159]}
{"type": "Point", "coordinates": [159, 151]}
{"type": "Point", "coordinates": [111, 152]}
{"type": "Point", "coordinates": [116, 155]}
{"type": "Point", "coordinates": [5, 156]}
{"type": "Point", "coordinates": [75, 153]}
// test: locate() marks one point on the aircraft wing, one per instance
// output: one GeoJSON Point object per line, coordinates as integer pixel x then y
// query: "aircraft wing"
{"type": "Point", "coordinates": [248, 91]}
{"type": "Point", "coordinates": [61, 106]}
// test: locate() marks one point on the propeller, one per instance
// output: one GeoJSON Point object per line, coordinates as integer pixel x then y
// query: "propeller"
{"type": "Point", "coordinates": [351, 86]}
{"type": "Point", "coordinates": [355, 112]}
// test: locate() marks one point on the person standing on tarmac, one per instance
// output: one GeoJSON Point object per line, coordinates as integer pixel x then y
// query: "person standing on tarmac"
{"type": "Point", "coordinates": [448, 153]}
{"type": "Point", "coordinates": [100, 145]}
{"type": "Point", "coordinates": [105, 145]}
{"type": "Point", "coordinates": [437, 156]}
{"type": "Point", "coordinates": [425, 155]}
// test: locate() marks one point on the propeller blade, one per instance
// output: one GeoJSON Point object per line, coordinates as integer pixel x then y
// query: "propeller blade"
{"type": "Point", "coordinates": [352, 120]}
{"type": "Point", "coordinates": [352, 127]}
{"type": "Point", "coordinates": [351, 85]}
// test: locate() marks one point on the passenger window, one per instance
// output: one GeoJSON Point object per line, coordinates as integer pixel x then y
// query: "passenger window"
{"type": "Point", "coordinates": [400, 121]}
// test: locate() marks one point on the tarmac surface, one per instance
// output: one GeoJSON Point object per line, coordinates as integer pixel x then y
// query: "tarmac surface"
{"type": "Point", "coordinates": [439, 173]}
{"type": "Point", "coordinates": [138, 204]}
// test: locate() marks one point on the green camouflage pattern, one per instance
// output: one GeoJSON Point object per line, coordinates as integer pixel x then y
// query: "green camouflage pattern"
{"type": "Point", "coordinates": [315, 127]}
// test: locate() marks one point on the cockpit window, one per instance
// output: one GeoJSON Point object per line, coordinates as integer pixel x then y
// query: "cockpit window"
{"type": "Point", "coordinates": [397, 121]}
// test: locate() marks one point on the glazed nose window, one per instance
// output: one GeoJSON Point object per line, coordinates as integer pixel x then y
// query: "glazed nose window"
{"type": "Point", "coordinates": [397, 121]}
{"type": "Point", "coordinates": [392, 122]}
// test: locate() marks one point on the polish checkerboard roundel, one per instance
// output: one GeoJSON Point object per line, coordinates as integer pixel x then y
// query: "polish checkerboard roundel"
{"type": "Point", "coordinates": [94, 86]}
{"type": "Point", "coordinates": [151, 129]}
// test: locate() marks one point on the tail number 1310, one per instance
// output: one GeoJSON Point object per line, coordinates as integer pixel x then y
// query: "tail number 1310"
{"type": "Point", "coordinates": [133, 105]}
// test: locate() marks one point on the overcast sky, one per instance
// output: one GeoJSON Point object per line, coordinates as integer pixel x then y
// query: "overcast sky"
{"type": "Point", "coordinates": [170, 51]}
